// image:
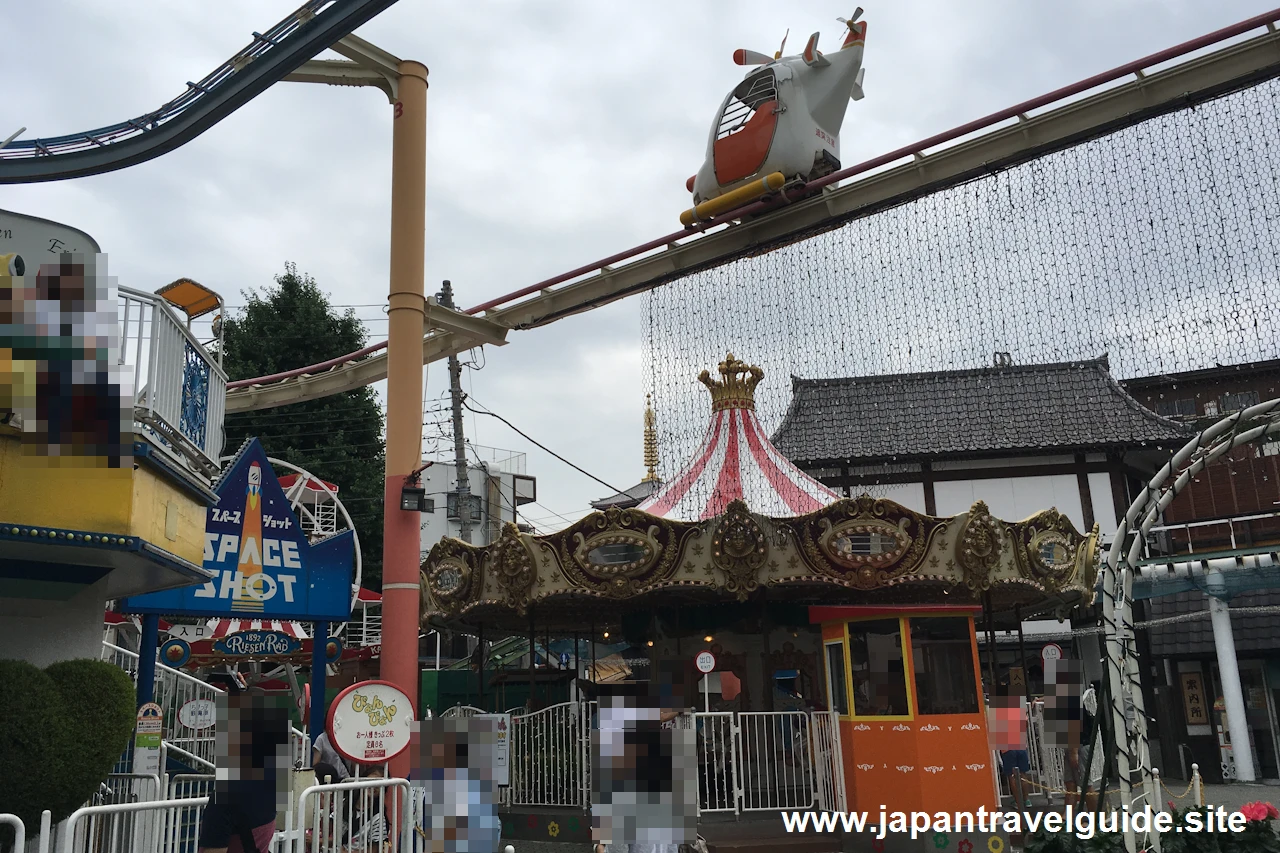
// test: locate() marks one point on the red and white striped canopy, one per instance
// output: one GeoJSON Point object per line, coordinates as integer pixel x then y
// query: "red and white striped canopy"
{"type": "Point", "coordinates": [223, 627]}
{"type": "Point", "coordinates": [737, 460]}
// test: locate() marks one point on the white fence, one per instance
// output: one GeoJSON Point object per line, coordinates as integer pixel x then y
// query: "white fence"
{"type": "Point", "coordinates": [180, 391]}
{"type": "Point", "coordinates": [746, 761]}
{"type": "Point", "coordinates": [550, 760]}
{"type": "Point", "coordinates": [173, 689]}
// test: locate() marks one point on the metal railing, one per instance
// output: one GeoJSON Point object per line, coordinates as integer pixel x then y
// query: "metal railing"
{"type": "Point", "coordinates": [361, 816]}
{"type": "Point", "coordinates": [550, 758]}
{"type": "Point", "coordinates": [299, 748]}
{"type": "Point", "coordinates": [365, 632]}
{"type": "Point", "coordinates": [462, 711]}
{"type": "Point", "coordinates": [179, 390]}
{"type": "Point", "coordinates": [144, 827]}
{"type": "Point", "coordinates": [828, 761]}
{"type": "Point", "coordinates": [776, 764]}
{"type": "Point", "coordinates": [1163, 537]}
{"type": "Point", "coordinates": [718, 783]}
{"type": "Point", "coordinates": [173, 689]}
{"type": "Point", "coordinates": [19, 830]}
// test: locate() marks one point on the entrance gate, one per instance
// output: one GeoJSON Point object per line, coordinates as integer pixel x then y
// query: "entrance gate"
{"type": "Point", "coordinates": [746, 760]}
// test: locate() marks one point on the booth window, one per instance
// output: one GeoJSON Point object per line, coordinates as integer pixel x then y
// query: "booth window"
{"type": "Point", "coordinates": [879, 673]}
{"type": "Point", "coordinates": [942, 654]}
{"type": "Point", "coordinates": [835, 679]}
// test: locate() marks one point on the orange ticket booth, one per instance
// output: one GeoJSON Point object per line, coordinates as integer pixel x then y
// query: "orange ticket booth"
{"type": "Point", "coordinates": [913, 728]}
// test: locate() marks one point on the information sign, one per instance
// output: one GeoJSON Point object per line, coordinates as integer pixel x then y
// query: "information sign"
{"type": "Point", "coordinates": [146, 740]}
{"type": "Point", "coordinates": [370, 722]}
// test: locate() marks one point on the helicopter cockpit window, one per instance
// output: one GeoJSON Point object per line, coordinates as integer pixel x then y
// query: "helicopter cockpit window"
{"type": "Point", "coordinates": [751, 93]}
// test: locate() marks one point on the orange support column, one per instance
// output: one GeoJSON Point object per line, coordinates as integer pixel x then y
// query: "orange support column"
{"type": "Point", "coordinates": [400, 529]}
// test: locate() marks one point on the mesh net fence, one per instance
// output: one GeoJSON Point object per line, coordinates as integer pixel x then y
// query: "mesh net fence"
{"type": "Point", "coordinates": [1155, 245]}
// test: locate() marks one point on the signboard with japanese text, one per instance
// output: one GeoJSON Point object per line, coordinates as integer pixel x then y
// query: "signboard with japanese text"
{"type": "Point", "coordinates": [370, 722]}
{"type": "Point", "coordinates": [146, 740]}
{"type": "Point", "coordinates": [265, 568]}
{"type": "Point", "coordinates": [1194, 704]}
{"type": "Point", "coordinates": [501, 746]}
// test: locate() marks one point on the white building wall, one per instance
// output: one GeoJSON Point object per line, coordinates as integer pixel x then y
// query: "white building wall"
{"type": "Point", "coordinates": [1104, 505]}
{"type": "Point", "coordinates": [910, 495]}
{"type": "Point", "coordinates": [45, 632]}
{"type": "Point", "coordinates": [440, 479]}
{"type": "Point", "coordinates": [1013, 499]}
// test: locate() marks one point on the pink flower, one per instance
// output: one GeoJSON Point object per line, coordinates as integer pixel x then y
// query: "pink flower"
{"type": "Point", "coordinates": [1257, 811]}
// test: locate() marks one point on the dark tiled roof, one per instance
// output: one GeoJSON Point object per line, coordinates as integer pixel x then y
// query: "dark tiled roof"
{"type": "Point", "coordinates": [1034, 407]}
{"type": "Point", "coordinates": [1252, 632]}
{"type": "Point", "coordinates": [631, 497]}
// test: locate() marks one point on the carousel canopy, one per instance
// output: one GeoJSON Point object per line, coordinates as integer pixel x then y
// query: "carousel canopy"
{"type": "Point", "coordinates": [736, 461]}
{"type": "Point", "coordinates": [740, 527]}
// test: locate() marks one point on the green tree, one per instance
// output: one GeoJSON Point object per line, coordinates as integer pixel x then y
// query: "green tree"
{"type": "Point", "coordinates": [338, 438]}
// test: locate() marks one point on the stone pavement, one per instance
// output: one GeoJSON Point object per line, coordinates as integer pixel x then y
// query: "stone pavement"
{"type": "Point", "coordinates": [1236, 794]}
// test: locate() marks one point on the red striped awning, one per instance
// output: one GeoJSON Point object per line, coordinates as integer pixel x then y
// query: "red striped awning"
{"type": "Point", "coordinates": [312, 484]}
{"type": "Point", "coordinates": [737, 462]}
{"type": "Point", "coordinates": [223, 627]}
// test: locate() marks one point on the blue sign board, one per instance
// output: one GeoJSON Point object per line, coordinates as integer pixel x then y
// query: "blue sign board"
{"type": "Point", "coordinates": [257, 643]}
{"type": "Point", "coordinates": [265, 568]}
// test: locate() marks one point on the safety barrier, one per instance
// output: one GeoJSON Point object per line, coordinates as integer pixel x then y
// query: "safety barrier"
{"type": "Point", "coordinates": [462, 711]}
{"type": "Point", "coordinates": [179, 390]}
{"type": "Point", "coordinates": [145, 827]}
{"type": "Point", "coordinates": [828, 761]}
{"type": "Point", "coordinates": [364, 816]}
{"type": "Point", "coordinates": [550, 758]}
{"type": "Point", "coordinates": [19, 830]}
{"type": "Point", "coordinates": [718, 783]}
{"type": "Point", "coordinates": [173, 689]}
{"type": "Point", "coordinates": [776, 761]}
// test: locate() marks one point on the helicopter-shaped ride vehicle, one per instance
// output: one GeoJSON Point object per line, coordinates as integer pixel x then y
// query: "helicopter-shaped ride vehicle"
{"type": "Point", "coordinates": [780, 125]}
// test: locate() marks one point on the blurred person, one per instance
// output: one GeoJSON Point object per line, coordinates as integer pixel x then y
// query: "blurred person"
{"type": "Point", "coordinates": [460, 804]}
{"type": "Point", "coordinates": [1064, 718]}
{"type": "Point", "coordinates": [325, 757]}
{"type": "Point", "coordinates": [1009, 735]}
{"type": "Point", "coordinates": [253, 749]}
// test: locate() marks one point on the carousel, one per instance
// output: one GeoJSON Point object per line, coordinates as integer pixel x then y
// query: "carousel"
{"type": "Point", "coordinates": [855, 608]}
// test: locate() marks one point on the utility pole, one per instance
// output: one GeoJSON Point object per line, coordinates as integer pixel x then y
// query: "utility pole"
{"type": "Point", "coordinates": [459, 441]}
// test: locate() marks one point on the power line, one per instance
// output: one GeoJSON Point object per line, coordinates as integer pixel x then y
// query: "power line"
{"type": "Point", "coordinates": [525, 436]}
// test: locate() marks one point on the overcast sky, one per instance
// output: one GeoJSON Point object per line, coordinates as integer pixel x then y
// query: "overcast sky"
{"type": "Point", "coordinates": [558, 133]}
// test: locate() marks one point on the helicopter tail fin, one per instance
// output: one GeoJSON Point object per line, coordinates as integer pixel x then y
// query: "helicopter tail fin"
{"type": "Point", "coordinates": [857, 35]}
{"type": "Point", "coordinates": [811, 56]}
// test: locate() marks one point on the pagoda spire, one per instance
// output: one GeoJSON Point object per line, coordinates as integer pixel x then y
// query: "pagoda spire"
{"type": "Point", "coordinates": [650, 441]}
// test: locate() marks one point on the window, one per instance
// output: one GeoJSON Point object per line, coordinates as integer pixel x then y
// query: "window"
{"type": "Point", "coordinates": [1242, 400]}
{"type": "Point", "coordinates": [1271, 448]}
{"type": "Point", "coordinates": [1184, 408]}
{"type": "Point", "coordinates": [942, 654]}
{"type": "Point", "coordinates": [879, 676]}
{"type": "Point", "coordinates": [835, 679]}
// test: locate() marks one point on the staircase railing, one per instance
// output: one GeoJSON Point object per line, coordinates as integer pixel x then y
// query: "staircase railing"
{"type": "Point", "coordinates": [173, 689]}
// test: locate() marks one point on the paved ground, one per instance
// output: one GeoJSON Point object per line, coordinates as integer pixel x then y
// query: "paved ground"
{"type": "Point", "coordinates": [1235, 795]}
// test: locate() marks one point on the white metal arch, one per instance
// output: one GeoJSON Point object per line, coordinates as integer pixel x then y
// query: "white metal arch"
{"type": "Point", "coordinates": [1133, 752]}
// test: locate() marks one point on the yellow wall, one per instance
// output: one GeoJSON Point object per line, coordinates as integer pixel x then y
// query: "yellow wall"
{"type": "Point", "coordinates": [129, 502]}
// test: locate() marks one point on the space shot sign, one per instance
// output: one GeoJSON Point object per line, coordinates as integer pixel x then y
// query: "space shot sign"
{"type": "Point", "coordinates": [262, 564]}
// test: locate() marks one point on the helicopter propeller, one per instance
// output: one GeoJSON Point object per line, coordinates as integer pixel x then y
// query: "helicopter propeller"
{"type": "Point", "coordinates": [849, 22]}
{"type": "Point", "coordinates": [783, 46]}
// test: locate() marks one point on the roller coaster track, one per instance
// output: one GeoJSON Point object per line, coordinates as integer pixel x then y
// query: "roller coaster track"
{"type": "Point", "coordinates": [1134, 93]}
{"type": "Point", "coordinates": [272, 55]}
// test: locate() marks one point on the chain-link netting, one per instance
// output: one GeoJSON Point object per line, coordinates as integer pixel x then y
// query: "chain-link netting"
{"type": "Point", "coordinates": [1156, 245]}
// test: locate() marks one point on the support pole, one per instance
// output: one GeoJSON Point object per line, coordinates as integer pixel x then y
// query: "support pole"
{"type": "Point", "coordinates": [1229, 671]}
{"type": "Point", "coordinates": [146, 688]}
{"type": "Point", "coordinates": [532, 672]}
{"type": "Point", "coordinates": [401, 536]}
{"type": "Point", "coordinates": [481, 656]}
{"type": "Point", "coordinates": [320, 639]}
{"type": "Point", "coordinates": [1022, 653]}
{"type": "Point", "coordinates": [991, 642]}
{"type": "Point", "coordinates": [463, 486]}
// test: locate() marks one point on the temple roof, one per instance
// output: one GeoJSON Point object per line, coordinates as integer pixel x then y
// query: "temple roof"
{"type": "Point", "coordinates": [736, 461]}
{"type": "Point", "coordinates": [1013, 408]}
